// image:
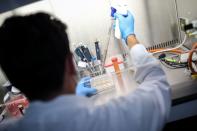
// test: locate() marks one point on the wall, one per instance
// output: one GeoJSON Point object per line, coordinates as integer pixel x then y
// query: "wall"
{"type": "Point", "coordinates": [88, 20]}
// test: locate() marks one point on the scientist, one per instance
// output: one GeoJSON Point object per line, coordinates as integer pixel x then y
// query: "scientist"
{"type": "Point", "coordinates": [35, 55]}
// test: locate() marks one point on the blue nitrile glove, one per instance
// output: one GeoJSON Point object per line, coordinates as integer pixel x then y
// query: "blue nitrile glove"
{"type": "Point", "coordinates": [84, 88]}
{"type": "Point", "coordinates": [126, 24]}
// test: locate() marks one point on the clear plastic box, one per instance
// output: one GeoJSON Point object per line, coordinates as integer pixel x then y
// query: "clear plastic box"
{"type": "Point", "coordinates": [113, 85]}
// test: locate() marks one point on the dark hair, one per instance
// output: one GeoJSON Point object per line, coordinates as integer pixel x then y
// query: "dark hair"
{"type": "Point", "coordinates": [33, 50]}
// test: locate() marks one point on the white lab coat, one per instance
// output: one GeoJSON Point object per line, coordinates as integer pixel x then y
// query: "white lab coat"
{"type": "Point", "coordinates": [145, 109]}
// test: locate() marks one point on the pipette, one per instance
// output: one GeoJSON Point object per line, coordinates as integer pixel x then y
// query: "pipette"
{"type": "Point", "coordinates": [120, 7]}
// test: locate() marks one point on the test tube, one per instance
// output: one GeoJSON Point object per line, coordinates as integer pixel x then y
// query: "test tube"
{"type": "Point", "coordinates": [118, 73]}
{"type": "Point", "coordinates": [115, 64]}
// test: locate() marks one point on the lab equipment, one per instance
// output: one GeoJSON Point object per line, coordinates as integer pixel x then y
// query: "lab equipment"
{"type": "Point", "coordinates": [110, 67]}
{"type": "Point", "coordinates": [171, 61]}
{"type": "Point", "coordinates": [98, 56]}
{"type": "Point", "coordinates": [83, 52]}
{"type": "Point", "coordinates": [80, 53]}
{"type": "Point", "coordinates": [115, 46]}
{"type": "Point", "coordinates": [126, 24]}
{"type": "Point", "coordinates": [86, 53]}
{"type": "Point", "coordinates": [89, 59]}
{"type": "Point", "coordinates": [82, 64]}
{"type": "Point", "coordinates": [189, 27]}
{"type": "Point", "coordinates": [85, 56]}
{"type": "Point", "coordinates": [98, 51]}
{"type": "Point", "coordinates": [115, 83]}
{"type": "Point", "coordinates": [115, 64]}
{"type": "Point", "coordinates": [119, 7]}
{"type": "Point", "coordinates": [184, 57]}
{"type": "Point", "coordinates": [88, 64]}
{"type": "Point", "coordinates": [102, 83]}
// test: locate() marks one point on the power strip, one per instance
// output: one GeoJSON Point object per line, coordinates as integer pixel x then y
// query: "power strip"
{"type": "Point", "coordinates": [184, 57]}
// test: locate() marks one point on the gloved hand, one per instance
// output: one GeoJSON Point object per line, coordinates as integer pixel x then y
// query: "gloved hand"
{"type": "Point", "coordinates": [84, 88]}
{"type": "Point", "coordinates": [126, 24]}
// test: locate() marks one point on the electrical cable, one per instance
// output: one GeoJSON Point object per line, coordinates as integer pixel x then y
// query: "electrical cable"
{"type": "Point", "coordinates": [167, 66]}
{"type": "Point", "coordinates": [175, 48]}
{"type": "Point", "coordinates": [171, 63]}
{"type": "Point", "coordinates": [177, 51]}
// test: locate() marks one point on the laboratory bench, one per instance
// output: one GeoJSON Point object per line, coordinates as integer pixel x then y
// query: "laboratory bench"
{"type": "Point", "coordinates": [183, 89]}
{"type": "Point", "coordinates": [184, 94]}
{"type": "Point", "coordinates": [183, 115]}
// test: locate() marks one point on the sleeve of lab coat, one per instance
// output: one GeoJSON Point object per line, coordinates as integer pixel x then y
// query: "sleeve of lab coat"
{"type": "Point", "coordinates": [145, 109]}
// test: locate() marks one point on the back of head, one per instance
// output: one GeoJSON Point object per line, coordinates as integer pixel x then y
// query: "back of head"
{"type": "Point", "coordinates": [33, 50]}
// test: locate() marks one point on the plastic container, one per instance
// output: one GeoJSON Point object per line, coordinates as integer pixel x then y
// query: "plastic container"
{"type": "Point", "coordinates": [122, 81]}
{"type": "Point", "coordinates": [113, 85]}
